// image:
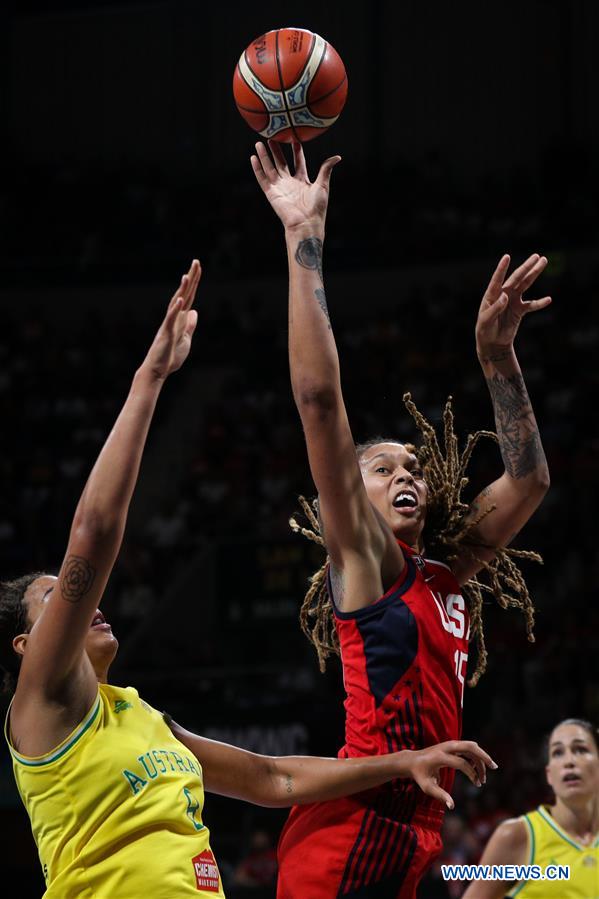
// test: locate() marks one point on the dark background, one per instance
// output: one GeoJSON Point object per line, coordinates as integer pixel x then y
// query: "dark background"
{"type": "Point", "coordinates": [470, 130]}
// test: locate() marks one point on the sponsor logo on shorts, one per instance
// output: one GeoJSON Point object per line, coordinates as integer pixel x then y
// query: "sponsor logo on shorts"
{"type": "Point", "coordinates": [206, 872]}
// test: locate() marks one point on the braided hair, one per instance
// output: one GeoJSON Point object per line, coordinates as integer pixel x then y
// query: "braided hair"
{"type": "Point", "coordinates": [448, 532]}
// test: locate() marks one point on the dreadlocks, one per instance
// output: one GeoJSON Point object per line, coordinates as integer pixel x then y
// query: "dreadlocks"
{"type": "Point", "coordinates": [448, 532]}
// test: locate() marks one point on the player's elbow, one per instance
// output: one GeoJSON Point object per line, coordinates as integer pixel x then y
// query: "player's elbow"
{"type": "Point", "coordinates": [282, 785]}
{"type": "Point", "coordinates": [95, 527]}
{"type": "Point", "coordinates": [314, 398]}
{"type": "Point", "coordinates": [540, 482]}
{"type": "Point", "coordinates": [530, 485]}
{"type": "Point", "coordinates": [544, 480]}
{"type": "Point", "coordinates": [255, 779]}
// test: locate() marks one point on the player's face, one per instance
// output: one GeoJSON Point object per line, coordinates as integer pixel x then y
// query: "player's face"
{"type": "Point", "coordinates": [396, 487]}
{"type": "Point", "coordinates": [573, 766]}
{"type": "Point", "coordinates": [101, 645]}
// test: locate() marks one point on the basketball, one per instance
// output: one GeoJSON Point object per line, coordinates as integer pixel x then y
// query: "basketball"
{"type": "Point", "coordinates": [290, 84]}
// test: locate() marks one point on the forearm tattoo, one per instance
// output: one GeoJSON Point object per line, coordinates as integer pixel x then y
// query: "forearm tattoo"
{"type": "Point", "coordinates": [289, 783]}
{"type": "Point", "coordinates": [309, 254]}
{"type": "Point", "coordinates": [519, 439]}
{"type": "Point", "coordinates": [76, 579]}
{"type": "Point", "coordinates": [322, 302]}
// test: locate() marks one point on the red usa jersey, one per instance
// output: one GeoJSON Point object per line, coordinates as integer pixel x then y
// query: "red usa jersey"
{"type": "Point", "coordinates": [404, 667]}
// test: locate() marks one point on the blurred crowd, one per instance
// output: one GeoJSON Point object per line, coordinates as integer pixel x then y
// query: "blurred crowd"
{"type": "Point", "coordinates": [145, 217]}
{"type": "Point", "coordinates": [64, 374]}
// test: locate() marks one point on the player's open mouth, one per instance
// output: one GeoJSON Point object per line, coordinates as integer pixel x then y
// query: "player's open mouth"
{"type": "Point", "coordinates": [571, 778]}
{"type": "Point", "coordinates": [99, 622]}
{"type": "Point", "coordinates": [405, 501]}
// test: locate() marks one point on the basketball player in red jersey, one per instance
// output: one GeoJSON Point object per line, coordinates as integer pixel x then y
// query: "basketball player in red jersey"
{"type": "Point", "coordinates": [402, 622]}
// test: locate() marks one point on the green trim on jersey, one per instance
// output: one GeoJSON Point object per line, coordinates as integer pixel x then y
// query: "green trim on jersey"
{"type": "Point", "coordinates": [562, 833]}
{"type": "Point", "coordinates": [62, 748]}
{"type": "Point", "coordinates": [531, 855]}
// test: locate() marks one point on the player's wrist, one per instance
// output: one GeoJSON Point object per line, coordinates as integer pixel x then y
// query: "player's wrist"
{"type": "Point", "coordinates": [405, 762]}
{"type": "Point", "coordinates": [305, 229]}
{"type": "Point", "coordinates": [495, 353]}
{"type": "Point", "coordinates": [149, 376]}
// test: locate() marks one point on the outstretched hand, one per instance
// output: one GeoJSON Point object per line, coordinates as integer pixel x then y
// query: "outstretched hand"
{"type": "Point", "coordinates": [170, 348]}
{"type": "Point", "coordinates": [503, 308]}
{"type": "Point", "coordinates": [295, 199]}
{"type": "Point", "coordinates": [462, 755]}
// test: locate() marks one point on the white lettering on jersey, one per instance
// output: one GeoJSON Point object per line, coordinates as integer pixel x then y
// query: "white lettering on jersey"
{"type": "Point", "coordinates": [452, 612]}
{"type": "Point", "coordinates": [455, 610]}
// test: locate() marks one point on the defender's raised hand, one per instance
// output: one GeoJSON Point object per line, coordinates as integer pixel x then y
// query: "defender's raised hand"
{"type": "Point", "coordinates": [172, 343]}
{"type": "Point", "coordinates": [295, 199]}
{"type": "Point", "coordinates": [503, 308]}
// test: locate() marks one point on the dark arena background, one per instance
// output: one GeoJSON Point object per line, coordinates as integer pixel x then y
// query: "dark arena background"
{"type": "Point", "coordinates": [470, 130]}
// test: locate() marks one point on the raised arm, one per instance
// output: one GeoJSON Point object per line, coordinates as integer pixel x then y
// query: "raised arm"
{"type": "Point", "coordinates": [521, 488]}
{"type": "Point", "coordinates": [507, 846]}
{"type": "Point", "coordinates": [352, 529]}
{"type": "Point", "coordinates": [283, 781]}
{"type": "Point", "coordinates": [55, 667]}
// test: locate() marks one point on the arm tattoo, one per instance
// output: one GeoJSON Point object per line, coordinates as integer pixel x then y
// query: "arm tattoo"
{"type": "Point", "coordinates": [288, 783]}
{"type": "Point", "coordinates": [475, 504]}
{"type": "Point", "coordinates": [322, 302]}
{"type": "Point", "coordinates": [309, 254]}
{"type": "Point", "coordinates": [519, 439]}
{"type": "Point", "coordinates": [77, 578]}
{"type": "Point", "coordinates": [497, 356]}
{"type": "Point", "coordinates": [337, 586]}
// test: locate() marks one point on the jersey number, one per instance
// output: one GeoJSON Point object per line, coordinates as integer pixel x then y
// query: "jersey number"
{"type": "Point", "coordinates": [461, 662]}
{"type": "Point", "coordinates": [193, 806]}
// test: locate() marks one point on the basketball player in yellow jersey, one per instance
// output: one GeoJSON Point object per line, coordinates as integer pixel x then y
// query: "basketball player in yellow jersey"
{"type": "Point", "coordinates": [114, 790]}
{"type": "Point", "coordinates": [566, 833]}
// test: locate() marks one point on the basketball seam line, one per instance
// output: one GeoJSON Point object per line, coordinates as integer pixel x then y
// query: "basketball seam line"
{"type": "Point", "coordinates": [299, 77]}
{"type": "Point", "coordinates": [288, 111]}
{"type": "Point", "coordinates": [245, 56]}
{"type": "Point", "coordinates": [264, 110]}
{"type": "Point", "coordinates": [328, 93]}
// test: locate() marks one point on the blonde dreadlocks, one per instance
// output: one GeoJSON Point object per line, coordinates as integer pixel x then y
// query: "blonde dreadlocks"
{"type": "Point", "coordinates": [448, 531]}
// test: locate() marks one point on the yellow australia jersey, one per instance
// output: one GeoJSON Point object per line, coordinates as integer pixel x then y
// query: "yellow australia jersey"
{"type": "Point", "coordinates": [116, 808]}
{"type": "Point", "coordinates": [550, 845]}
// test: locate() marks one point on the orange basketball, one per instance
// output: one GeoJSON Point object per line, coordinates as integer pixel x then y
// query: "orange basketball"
{"type": "Point", "coordinates": [290, 84]}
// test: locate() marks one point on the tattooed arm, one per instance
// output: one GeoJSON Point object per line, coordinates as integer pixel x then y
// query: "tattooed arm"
{"type": "Point", "coordinates": [519, 491]}
{"type": "Point", "coordinates": [282, 781]}
{"type": "Point", "coordinates": [356, 539]}
{"type": "Point", "coordinates": [55, 669]}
